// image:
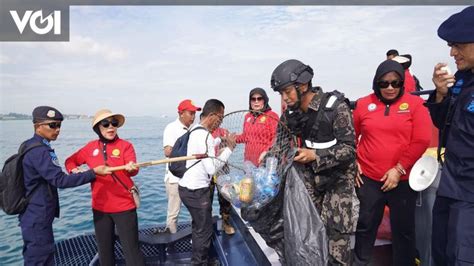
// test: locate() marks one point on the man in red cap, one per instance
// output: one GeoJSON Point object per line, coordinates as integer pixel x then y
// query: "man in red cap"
{"type": "Point", "coordinates": [174, 130]}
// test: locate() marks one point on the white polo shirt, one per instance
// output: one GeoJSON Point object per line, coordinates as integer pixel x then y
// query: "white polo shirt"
{"type": "Point", "coordinates": [199, 175]}
{"type": "Point", "coordinates": [172, 132]}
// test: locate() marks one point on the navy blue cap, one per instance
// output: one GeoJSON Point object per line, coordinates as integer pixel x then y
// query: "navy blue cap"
{"type": "Point", "coordinates": [43, 113]}
{"type": "Point", "coordinates": [459, 28]}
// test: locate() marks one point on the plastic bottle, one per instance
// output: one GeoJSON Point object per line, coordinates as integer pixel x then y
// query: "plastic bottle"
{"type": "Point", "coordinates": [246, 189]}
{"type": "Point", "coordinates": [273, 180]}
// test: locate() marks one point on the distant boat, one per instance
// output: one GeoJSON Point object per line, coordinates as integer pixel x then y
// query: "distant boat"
{"type": "Point", "coordinates": [164, 116]}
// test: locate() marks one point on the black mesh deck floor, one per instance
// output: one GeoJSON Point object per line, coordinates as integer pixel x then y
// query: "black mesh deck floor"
{"type": "Point", "coordinates": [81, 250]}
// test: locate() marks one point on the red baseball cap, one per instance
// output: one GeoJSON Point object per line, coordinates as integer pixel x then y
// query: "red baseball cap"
{"type": "Point", "coordinates": [188, 105]}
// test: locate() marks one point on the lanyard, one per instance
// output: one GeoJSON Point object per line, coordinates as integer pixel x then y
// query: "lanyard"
{"type": "Point", "coordinates": [116, 178]}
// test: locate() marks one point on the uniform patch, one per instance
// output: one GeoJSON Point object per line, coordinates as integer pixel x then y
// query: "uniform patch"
{"type": "Point", "coordinates": [116, 152]}
{"type": "Point", "coordinates": [54, 158]}
{"type": "Point", "coordinates": [95, 152]}
{"type": "Point", "coordinates": [372, 107]}
{"type": "Point", "coordinates": [403, 106]}
{"type": "Point", "coordinates": [51, 113]}
{"type": "Point", "coordinates": [470, 107]}
{"type": "Point", "coordinates": [263, 119]}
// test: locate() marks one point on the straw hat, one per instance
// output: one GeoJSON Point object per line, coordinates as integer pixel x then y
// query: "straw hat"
{"type": "Point", "coordinates": [106, 113]}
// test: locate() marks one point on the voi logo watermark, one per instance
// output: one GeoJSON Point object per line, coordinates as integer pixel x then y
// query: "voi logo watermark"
{"type": "Point", "coordinates": [36, 21]}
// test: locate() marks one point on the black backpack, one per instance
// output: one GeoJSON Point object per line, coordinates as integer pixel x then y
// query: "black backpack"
{"type": "Point", "coordinates": [180, 149]}
{"type": "Point", "coordinates": [13, 198]}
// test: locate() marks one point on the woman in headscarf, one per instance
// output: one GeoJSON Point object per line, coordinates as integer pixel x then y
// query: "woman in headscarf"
{"type": "Point", "coordinates": [393, 130]}
{"type": "Point", "coordinates": [113, 205]}
{"type": "Point", "coordinates": [259, 127]}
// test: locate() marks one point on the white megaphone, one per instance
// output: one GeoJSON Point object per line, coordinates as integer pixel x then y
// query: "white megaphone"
{"type": "Point", "coordinates": [423, 173]}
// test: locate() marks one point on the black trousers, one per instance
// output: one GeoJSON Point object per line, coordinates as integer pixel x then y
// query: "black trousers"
{"type": "Point", "coordinates": [224, 205]}
{"type": "Point", "coordinates": [401, 202]}
{"type": "Point", "coordinates": [127, 228]}
{"type": "Point", "coordinates": [199, 205]}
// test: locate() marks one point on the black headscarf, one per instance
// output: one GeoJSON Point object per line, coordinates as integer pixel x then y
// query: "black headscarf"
{"type": "Point", "coordinates": [101, 137]}
{"type": "Point", "coordinates": [384, 68]}
{"type": "Point", "coordinates": [262, 92]}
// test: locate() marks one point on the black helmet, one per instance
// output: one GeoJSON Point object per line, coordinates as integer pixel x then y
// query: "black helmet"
{"type": "Point", "coordinates": [290, 72]}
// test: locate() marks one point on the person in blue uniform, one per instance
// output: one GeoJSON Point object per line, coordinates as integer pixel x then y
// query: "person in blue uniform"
{"type": "Point", "coordinates": [43, 175]}
{"type": "Point", "coordinates": [451, 108]}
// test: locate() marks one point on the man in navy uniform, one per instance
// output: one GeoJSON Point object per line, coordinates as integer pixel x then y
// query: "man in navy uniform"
{"type": "Point", "coordinates": [451, 107]}
{"type": "Point", "coordinates": [43, 175]}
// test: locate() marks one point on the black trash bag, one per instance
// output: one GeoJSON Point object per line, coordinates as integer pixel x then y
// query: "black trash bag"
{"type": "Point", "coordinates": [306, 241]}
{"type": "Point", "coordinates": [268, 222]}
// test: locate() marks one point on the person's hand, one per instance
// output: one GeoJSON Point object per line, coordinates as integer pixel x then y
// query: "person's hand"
{"type": "Point", "coordinates": [305, 156]}
{"type": "Point", "coordinates": [441, 79]}
{"type": "Point", "coordinates": [230, 141]}
{"type": "Point", "coordinates": [76, 170]}
{"type": "Point", "coordinates": [390, 179]}
{"type": "Point", "coordinates": [262, 157]}
{"type": "Point", "coordinates": [130, 167]}
{"type": "Point", "coordinates": [358, 179]}
{"type": "Point", "coordinates": [102, 170]}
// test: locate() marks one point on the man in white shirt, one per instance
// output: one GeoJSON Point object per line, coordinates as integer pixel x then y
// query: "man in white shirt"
{"type": "Point", "coordinates": [174, 130]}
{"type": "Point", "coordinates": [194, 186]}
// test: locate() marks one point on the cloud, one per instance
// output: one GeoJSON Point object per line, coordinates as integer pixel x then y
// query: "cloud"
{"type": "Point", "coordinates": [86, 46]}
{"type": "Point", "coordinates": [144, 60]}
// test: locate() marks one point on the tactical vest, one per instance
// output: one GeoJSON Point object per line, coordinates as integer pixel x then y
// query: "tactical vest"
{"type": "Point", "coordinates": [318, 131]}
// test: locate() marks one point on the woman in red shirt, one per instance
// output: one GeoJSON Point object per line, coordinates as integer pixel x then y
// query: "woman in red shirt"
{"type": "Point", "coordinates": [259, 127]}
{"type": "Point", "coordinates": [393, 130]}
{"type": "Point", "coordinates": [112, 202]}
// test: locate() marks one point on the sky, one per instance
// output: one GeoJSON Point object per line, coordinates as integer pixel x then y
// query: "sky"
{"type": "Point", "coordinates": [143, 60]}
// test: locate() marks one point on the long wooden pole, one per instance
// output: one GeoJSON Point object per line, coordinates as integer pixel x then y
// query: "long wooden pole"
{"type": "Point", "coordinates": [169, 160]}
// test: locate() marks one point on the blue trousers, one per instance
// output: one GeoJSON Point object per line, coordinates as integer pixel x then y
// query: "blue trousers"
{"type": "Point", "coordinates": [453, 232]}
{"type": "Point", "coordinates": [38, 244]}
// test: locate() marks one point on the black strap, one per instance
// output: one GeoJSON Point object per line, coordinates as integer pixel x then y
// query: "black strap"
{"type": "Point", "coordinates": [34, 145]}
{"type": "Point", "coordinates": [115, 177]}
{"type": "Point", "coordinates": [315, 116]}
{"type": "Point", "coordinates": [447, 123]}
{"type": "Point", "coordinates": [22, 152]}
{"type": "Point", "coordinates": [199, 127]}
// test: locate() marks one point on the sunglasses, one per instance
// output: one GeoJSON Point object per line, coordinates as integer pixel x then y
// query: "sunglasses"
{"type": "Point", "coordinates": [106, 123]}
{"type": "Point", "coordinates": [256, 99]}
{"type": "Point", "coordinates": [383, 84]}
{"type": "Point", "coordinates": [53, 125]}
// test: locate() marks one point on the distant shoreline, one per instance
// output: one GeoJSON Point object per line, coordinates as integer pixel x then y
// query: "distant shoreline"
{"type": "Point", "coordinates": [16, 116]}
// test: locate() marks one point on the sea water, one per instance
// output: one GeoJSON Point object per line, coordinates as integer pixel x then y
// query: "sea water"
{"type": "Point", "coordinates": [145, 133]}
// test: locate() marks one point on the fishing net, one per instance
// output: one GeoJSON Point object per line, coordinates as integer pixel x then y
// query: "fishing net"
{"type": "Point", "coordinates": [254, 174]}
{"type": "Point", "coordinates": [259, 178]}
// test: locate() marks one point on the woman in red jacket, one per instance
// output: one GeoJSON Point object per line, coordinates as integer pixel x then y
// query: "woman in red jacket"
{"type": "Point", "coordinates": [259, 127]}
{"type": "Point", "coordinates": [392, 132]}
{"type": "Point", "coordinates": [112, 202]}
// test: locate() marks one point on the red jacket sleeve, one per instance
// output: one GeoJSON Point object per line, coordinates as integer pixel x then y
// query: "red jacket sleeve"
{"type": "Point", "coordinates": [356, 117]}
{"type": "Point", "coordinates": [130, 156]}
{"type": "Point", "coordinates": [420, 138]}
{"type": "Point", "coordinates": [75, 160]}
{"type": "Point", "coordinates": [272, 125]}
